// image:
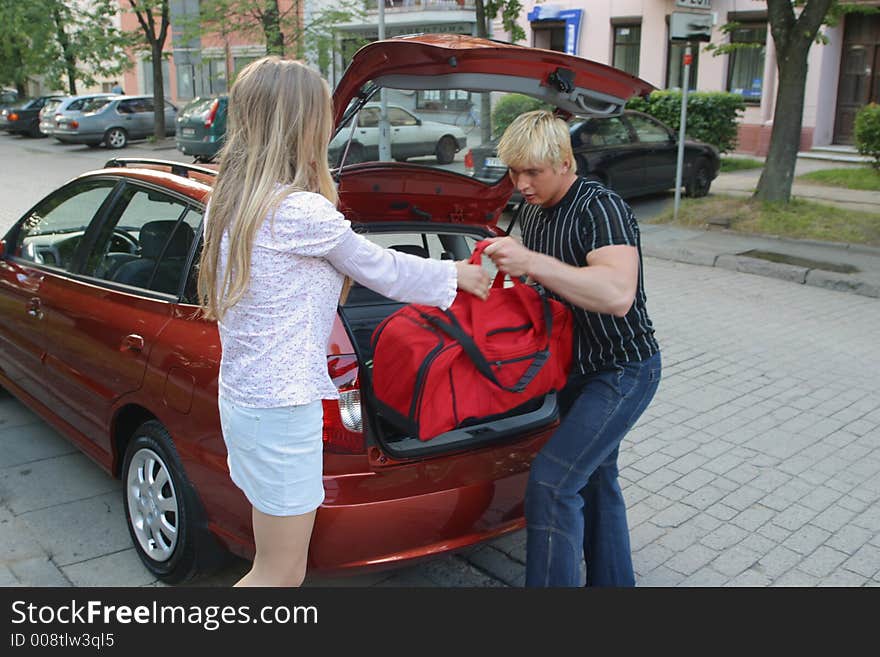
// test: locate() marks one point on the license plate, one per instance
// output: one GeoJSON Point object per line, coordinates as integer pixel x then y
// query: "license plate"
{"type": "Point", "coordinates": [495, 162]}
{"type": "Point", "coordinates": [188, 132]}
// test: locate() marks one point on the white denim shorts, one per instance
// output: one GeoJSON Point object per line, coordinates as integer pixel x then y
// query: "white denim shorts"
{"type": "Point", "coordinates": [275, 455]}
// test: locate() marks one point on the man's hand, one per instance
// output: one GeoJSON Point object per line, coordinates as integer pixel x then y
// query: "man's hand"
{"type": "Point", "coordinates": [473, 279]}
{"type": "Point", "coordinates": [510, 256]}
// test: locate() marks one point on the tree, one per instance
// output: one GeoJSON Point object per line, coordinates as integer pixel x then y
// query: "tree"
{"type": "Point", "coordinates": [486, 12]}
{"type": "Point", "coordinates": [793, 35]}
{"type": "Point", "coordinates": [87, 43]}
{"type": "Point", "coordinates": [26, 36]}
{"type": "Point", "coordinates": [154, 21]}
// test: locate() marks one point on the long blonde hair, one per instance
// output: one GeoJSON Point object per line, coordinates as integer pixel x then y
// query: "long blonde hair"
{"type": "Point", "coordinates": [278, 129]}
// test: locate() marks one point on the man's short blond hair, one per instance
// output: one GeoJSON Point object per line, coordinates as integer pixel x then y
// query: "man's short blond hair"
{"type": "Point", "coordinates": [536, 138]}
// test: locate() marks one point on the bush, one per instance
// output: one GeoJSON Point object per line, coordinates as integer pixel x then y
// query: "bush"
{"type": "Point", "coordinates": [867, 132]}
{"type": "Point", "coordinates": [511, 106]}
{"type": "Point", "coordinates": [711, 115]}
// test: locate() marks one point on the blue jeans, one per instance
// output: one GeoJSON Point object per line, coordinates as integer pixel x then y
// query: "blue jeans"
{"type": "Point", "coordinates": [574, 505]}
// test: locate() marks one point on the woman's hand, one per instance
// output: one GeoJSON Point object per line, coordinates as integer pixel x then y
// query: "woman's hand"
{"type": "Point", "coordinates": [473, 279]}
{"type": "Point", "coordinates": [510, 256]}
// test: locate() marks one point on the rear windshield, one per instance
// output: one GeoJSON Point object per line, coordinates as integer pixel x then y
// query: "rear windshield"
{"type": "Point", "coordinates": [198, 107]}
{"type": "Point", "coordinates": [51, 105]}
{"type": "Point", "coordinates": [94, 104]}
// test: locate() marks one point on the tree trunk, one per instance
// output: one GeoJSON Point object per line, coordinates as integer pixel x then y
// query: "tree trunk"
{"type": "Point", "coordinates": [66, 49]}
{"type": "Point", "coordinates": [485, 100]}
{"type": "Point", "coordinates": [778, 173]}
{"type": "Point", "coordinates": [158, 91]}
{"type": "Point", "coordinates": [272, 28]}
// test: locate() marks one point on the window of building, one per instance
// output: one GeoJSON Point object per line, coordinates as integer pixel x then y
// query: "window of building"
{"type": "Point", "coordinates": [148, 74]}
{"type": "Point", "coordinates": [217, 76]}
{"type": "Point", "coordinates": [675, 68]}
{"type": "Point", "coordinates": [627, 42]}
{"type": "Point", "coordinates": [186, 81]}
{"type": "Point", "coordinates": [746, 64]}
{"type": "Point", "coordinates": [443, 99]}
{"type": "Point", "coordinates": [549, 35]}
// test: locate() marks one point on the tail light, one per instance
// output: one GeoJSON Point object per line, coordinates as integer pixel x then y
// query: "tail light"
{"type": "Point", "coordinates": [211, 114]}
{"type": "Point", "coordinates": [74, 124]}
{"type": "Point", "coordinates": [13, 116]}
{"type": "Point", "coordinates": [343, 418]}
{"type": "Point", "coordinates": [469, 159]}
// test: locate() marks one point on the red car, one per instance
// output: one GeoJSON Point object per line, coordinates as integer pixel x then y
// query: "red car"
{"type": "Point", "coordinates": [101, 335]}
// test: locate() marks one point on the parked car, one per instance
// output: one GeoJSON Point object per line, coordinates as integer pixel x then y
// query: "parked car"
{"type": "Point", "coordinates": [411, 136]}
{"type": "Point", "coordinates": [201, 127]}
{"type": "Point", "coordinates": [101, 335]}
{"type": "Point", "coordinates": [67, 106]}
{"type": "Point", "coordinates": [113, 121]}
{"type": "Point", "coordinates": [24, 117]}
{"type": "Point", "coordinates": [633, 154]}
{"type": "Point", "coordinates": [8, 97]}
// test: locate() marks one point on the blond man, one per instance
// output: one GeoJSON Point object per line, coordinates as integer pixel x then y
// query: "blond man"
{"type": "Point", "coordinates": [580, 242]}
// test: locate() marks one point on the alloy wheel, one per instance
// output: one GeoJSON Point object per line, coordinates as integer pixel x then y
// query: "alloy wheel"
{"type": "Point", "coordinates": [153, 507]}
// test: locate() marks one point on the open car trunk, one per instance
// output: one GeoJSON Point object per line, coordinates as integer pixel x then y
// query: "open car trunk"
{"type": "Point", "coordinates": [364, 310]}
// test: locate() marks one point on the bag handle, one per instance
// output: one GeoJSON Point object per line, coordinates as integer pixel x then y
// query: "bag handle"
{"type": "Point", "coordinates": [454, 330]}
{"type": "Point", "coordinates": [547, 312]}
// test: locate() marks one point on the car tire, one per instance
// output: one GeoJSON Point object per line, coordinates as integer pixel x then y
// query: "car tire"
{"type": "Point", "coordinates": [164, 516]}
{"type": "Point", "coordinates": [116, 138]}
{"type": "Point", "coordinates": [700, 180]}
{"type": "Point", "coordinates": [35, 131]}
{"type": "Point", "coordinates": [446, 149]}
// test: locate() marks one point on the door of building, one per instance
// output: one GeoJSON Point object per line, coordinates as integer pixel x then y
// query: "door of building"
{"type": "Point", "coordinates": [859, 82]}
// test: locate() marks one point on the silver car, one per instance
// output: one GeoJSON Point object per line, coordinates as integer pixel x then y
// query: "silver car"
{"type": "Point", "coordinates": [70, 106]}
{"type": "Point", "coordinates": [113, 121]}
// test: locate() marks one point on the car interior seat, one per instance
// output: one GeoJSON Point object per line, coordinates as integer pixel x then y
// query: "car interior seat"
{"type": "Point", "coordinates": [164, 242]}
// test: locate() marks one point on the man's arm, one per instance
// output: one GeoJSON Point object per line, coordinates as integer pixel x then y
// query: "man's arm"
{"type": "Point", "coordinates": [608, 285]}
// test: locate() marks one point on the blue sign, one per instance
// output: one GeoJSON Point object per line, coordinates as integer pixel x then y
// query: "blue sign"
{"type": "Point", "coordinates": [572, 18]}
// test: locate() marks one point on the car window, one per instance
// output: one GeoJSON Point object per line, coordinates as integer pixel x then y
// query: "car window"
{"type": "Point", "coordinates": [369, 118]}
{"type": "Point", "coordinates": [648, 130]}
{"type": "Point", "coordinates": [397, 116]}
{"type": "Point", "coordinates": [126, 107]}
{"type": "Point", "coordinates": [77, 105]}
{"type": "Point", "coordinates": [145, 105]}
{"type": "Point", "coordinates": [52, 105]}
{"type": "Point", "coordinates": [94, 104]}
{"type": "Point", "coordinates": [52, 232]}
{"type": "Point", "coordinates": [144, 242]}
{"type": "Point", "coordinates": [604, 132]}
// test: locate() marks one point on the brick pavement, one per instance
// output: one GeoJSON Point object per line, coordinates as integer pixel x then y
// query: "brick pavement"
{"type": "Point", "coordinates": [758, 464]}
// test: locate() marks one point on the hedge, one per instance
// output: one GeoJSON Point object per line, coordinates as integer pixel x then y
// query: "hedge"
{"type": "Point", "coordinates": [867, 132]}
{"type": "Point", "coordinates": [511, 106]}
{"type": "Point", "coordinates": [711, 115]}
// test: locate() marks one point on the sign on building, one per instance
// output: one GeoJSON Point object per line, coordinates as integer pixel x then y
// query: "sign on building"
{"type": "Point", "coordinates": [694, 4]}
{"type": "Point", "coordinates": [685, 26]}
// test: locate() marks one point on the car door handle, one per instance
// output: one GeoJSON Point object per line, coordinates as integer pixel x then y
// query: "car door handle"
{"type": "Point", "coordinates": [132, 342]}
{"type": "Point", "coordinates": [34, 308]}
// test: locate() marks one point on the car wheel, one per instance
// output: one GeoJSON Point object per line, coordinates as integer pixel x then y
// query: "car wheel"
{"type": "Point", "coordinates": [36, 132]}
{"type": "Point", "coordinates": [446, 149]}
{"type": "Point", "coordinates": [115, 138]}
{"type": "Point", "coordinates": [165, 519]}
{"type": "Point", "coordinates": [700, 180]}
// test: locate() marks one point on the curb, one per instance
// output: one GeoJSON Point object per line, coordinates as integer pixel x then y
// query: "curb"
{"type": "Point", "coordinates": [757, 267]}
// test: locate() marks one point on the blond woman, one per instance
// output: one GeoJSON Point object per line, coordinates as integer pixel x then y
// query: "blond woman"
{"type": "Point", "coordinates": [275, 256]}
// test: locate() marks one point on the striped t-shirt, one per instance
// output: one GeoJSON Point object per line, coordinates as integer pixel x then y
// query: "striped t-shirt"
{"type": "Point", "coordinates": [587, 218]}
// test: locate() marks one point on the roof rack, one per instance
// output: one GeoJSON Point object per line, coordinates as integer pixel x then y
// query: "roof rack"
{"type": "Point", "coordinates": [177, 168]}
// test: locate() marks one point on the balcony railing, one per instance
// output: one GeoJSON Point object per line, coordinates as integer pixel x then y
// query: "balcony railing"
{"type": "Point", "coordinates": [418, 5]}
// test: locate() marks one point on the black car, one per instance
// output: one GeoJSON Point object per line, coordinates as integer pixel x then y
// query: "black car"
{"type": "Point", "coordinates": [24, 118]}
{"type": "Point", "coordinates": [631, 153]}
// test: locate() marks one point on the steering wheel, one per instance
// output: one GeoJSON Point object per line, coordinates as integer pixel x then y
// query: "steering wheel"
{"type": "Point", "coordinates": [123, 242]}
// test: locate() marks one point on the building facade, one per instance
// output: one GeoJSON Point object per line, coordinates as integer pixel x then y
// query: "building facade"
{"type": "Point", "coordinates": [634, 35]}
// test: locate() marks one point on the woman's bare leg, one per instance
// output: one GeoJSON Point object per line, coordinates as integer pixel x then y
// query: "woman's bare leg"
{"type": "Point", "coordinates": [282, 549]}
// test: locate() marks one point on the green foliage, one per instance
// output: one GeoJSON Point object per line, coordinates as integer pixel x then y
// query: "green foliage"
{"type": "Point", "coordinates": [282, 31]}
{"type": "Point", "coordinates": [511, 106]}
{"type": "Point", "coordinates": [867, 132]}
{"type": "Point", "coordinates": [26, 33]}
{"type": "Point", "coordinates": [711, 115]}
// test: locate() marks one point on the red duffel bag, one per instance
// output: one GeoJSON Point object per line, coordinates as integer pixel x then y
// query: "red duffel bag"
{"type": "Point", "coordinates": [436, 370]}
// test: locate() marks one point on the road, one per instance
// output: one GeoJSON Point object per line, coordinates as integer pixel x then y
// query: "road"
{"type": "Point", "coordinates": [758, 463]}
